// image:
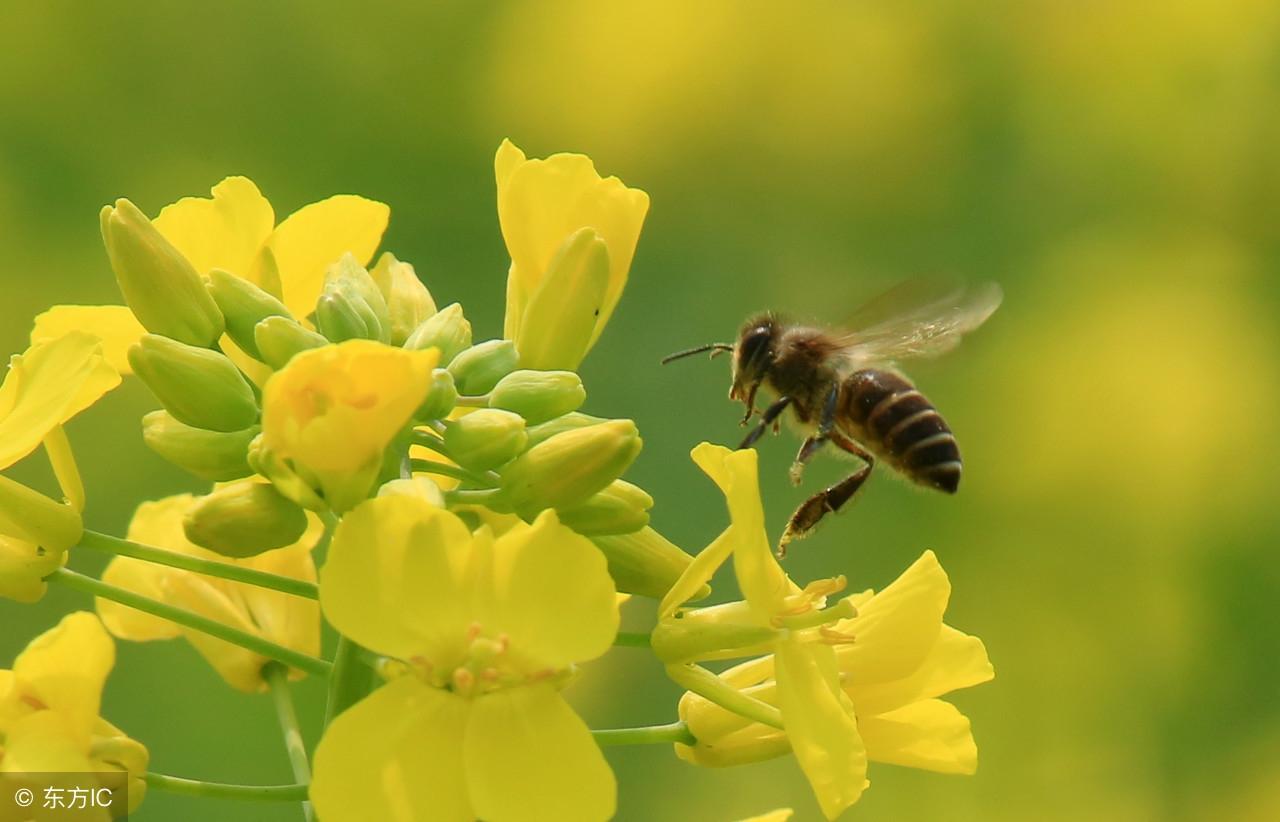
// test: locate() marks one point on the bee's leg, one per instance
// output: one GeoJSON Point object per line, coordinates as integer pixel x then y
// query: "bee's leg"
{"type": "Point", "coordinates": [829, 500]}
{"type": "Point", "coordinates": [826, 423]}
{"type": "Point", "coordinates": [766, 419]}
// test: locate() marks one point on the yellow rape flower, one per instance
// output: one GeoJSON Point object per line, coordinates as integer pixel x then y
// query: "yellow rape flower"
{"type": "Point", "coordinates": [571, 236]}
{"type": "Point", "coordinates": [46, 386]}
{"type": "Point", "coordinates": [50, 703]}
{"type": "Point", "coordinates": [293, 622]}
{"type": "Point", "coordinates": [333, 411]}
{"type": "Point", "coordinates": [488, 629]}
{"type": "Point", "coordinates": [776, 615]}
{"type": "Point", "coordinates": [235, 231]}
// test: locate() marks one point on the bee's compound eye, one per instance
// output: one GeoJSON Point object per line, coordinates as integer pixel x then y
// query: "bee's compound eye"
{"type": "Point", "coordinates": [754, 344]}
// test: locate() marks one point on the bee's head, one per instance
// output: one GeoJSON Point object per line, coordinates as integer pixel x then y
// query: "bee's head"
{"type": "Point", "coordinates": [753, 354]}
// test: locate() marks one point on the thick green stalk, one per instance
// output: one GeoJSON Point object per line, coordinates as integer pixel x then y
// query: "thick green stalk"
{"type": "Point", "coordinates": [223, 790]}
{"type": "Point", "coordinates": [350, 681]}
{"type": "Point", "coordinates": [189, 619]}
{"type": "Point", "coordinates": [648, 735]}
{"type": "Point", "coordinates": [277, 677]}
{"type": "Point", "coordinates": [212, 568]}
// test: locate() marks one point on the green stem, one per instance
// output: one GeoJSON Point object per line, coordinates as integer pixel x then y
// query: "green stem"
{"type": "Point", "coordinates": [223, 790]}
{"type": "Point", "coordinates": [189, 619]}
{"type": "Point", "coordinates": [277, 677]}
{"type": "Point", "coordinates": [350, 681]}
{"type": "Point", "coordinates": [467, 496]}
{"type": "Point", "coordinates": [632, 639]}
{"type": "Point", "coordinates": [444, 469]}
{"type": "Point", "coordinates": [649, 735]}
{"type": "Point", "coordinates": [212, 568]}
{"type": "Point", "coordinates": [711, 687]}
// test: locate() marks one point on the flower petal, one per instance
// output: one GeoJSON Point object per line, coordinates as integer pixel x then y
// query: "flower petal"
{"type": "Point", "coordinates": [956, 661]}
{"type": "Point", "coordinates": [391, 581]}
{"type": "Point", "coordinates": [699, 573]}
{"type": "Point", "coordinates": [395, 756]}
{"type": "Point", "coordinates": [762, 580]}
{"type": "Point", "coordinates": [129, 623]}
{"type": "Point", "coordinates": [46, 386]}
{"type": "Point", "coordinates": [820, 724]}
{"type": "Point", "coordinates": [931, 734]}
{"type": "Point", "coordinates": [553, 596]}
{"type": "Point", "coordinates": [896, 628]}
{"type": "Point", "coordinates": [223, 232]}
{"type": "Point", "coordinates": [65, 668]}
{"type": "Point", "coordinates": [529, 758]}
{"type": "Point", "coordinates": [315, 236]}
{"type": "Point", "coordinates": [44, 742]}
{"type": "Point", "coordinates": [115, 325]}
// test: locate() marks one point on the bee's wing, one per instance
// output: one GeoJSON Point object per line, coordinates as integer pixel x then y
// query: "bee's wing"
{"type": "Point", "coordinates": [931, 323]}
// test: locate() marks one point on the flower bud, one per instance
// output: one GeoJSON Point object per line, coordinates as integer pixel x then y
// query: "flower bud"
{"type": "Point", "coordinates": [485, 438]}
{"type": "Point", "coordinates": [569, 467]}
{"type": "Point", "coordinates": [165, 292]}
{"type": "Point", "coordinates": [351, 307]}
{"type": "Point", "coordinates": [643, 562]}
{"type": "Point", "coordinates": [420, 487]}
{"type": "Point", "coordinates": [409, 304]}
{"type": "Point", "coordinates": [244, 519]}
{"type": "Point", "coordinates": [23, 567]}
{"type": "Point", "coordinates": [558, 324]}
{"type": "Point", "coordinates": [619, 509]}
{"type": "Point", "coordinates": [538, 396]}
{"type": "Point", "coordinates": [441, 397]}
{"type": "Point", "coordinates": [243, 306]}
{"type": "Point", "coordinates": [479, 368]}
{"type": "Point", "coordinates": [213, 455]}
{"type": "Point", "coordinates": [197, 386]}
{"type": "Point", "coordinates": [569, 422]}
{"type": "Point", "coordinates": [299, 486]}
{"type": "Point", "coordinates": [31, 516]}
{"type": "Point", "coordinates": [446, 330]}
{"type": "Point", "coordinates": [279, 338]}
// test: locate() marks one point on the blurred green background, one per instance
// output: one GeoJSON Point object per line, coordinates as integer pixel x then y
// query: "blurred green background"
{"type": "Point", "coordinates": [1113, 165]}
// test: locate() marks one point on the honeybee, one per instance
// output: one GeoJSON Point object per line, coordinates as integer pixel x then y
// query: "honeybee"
{"type": "Point", "coordinates": [844, 388]}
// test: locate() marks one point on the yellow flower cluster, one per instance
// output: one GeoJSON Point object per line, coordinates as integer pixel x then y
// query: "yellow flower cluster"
{"type": "Point", "coordinates": [472, 529]}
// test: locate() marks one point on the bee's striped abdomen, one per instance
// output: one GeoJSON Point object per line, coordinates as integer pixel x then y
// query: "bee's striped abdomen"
{"type": "Point", "coordinates": [902, 427]}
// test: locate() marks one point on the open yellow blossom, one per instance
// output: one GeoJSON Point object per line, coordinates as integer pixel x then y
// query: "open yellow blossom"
{"type": "Point", "coordinates": [815, 714]}
{"type": "Point", "coordinates": [49, 708]}
{"type": "Point", "coordinates": [543, 208]}
{"type": "Point", "coordinates": [114, 325]}
{"type": "Point", "coordinates": [488, 630]}
{"type": "Point", "coordinates": [46, 386]}
{"type": "Point", "coordinates": [880, 670]}
{"type": "Point", "coordinates": [291, 621]}
{"type": "Point", "coordinates": [332, 411]}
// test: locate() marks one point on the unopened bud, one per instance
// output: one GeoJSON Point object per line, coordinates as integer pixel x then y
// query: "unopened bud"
{"type": "Point", "coordinates": [569, 422]}
{"type": "Point", "coordinates": [23, 567]}
{"type": "Point", "coordinates": [162, 288]}
{"type": "Point", "coordinates": [643, 562]}
{"type": "Point", "coordinates": [199, 387]}
{"type": "Point", "coordinates": [560, 319]}
{"type": "Point", "coordinates": [447, 330]}
{"type": "Point", "coordinates": [442, 396]}
{"type": "Point", "coordinates": [279, 338]}
{"type": "Point", "coordinates": [244, 519]}
{"type": "Point", "coordinates": [219, 456]}
{"type": "Point", "coordinates": [243, 305]}
{"type": "Point", "coordinates": [619, 509]}
{"type": "Point", "coordinates": [409, 304]}
{"type": "Point", "coordinates": [569, 467]}
{"type": "Point", "coordinates": [351, 307]}
{"type": "Point", "coordinates": [478, 369]}
{"type": "Point", "coordinates": [420, 487]}
{"type": "Point", "coordinates": [485, 438]}
{"type": "Point", "coordinates": [28, 515]}
{"type": "Point", "coordinates": [538, 396]}
{"type": "Point", "coordinates": [298, 487]}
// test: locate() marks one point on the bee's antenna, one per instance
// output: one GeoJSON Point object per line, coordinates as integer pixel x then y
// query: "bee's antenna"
{"type": "Point", "coordinates": [715, 348]}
